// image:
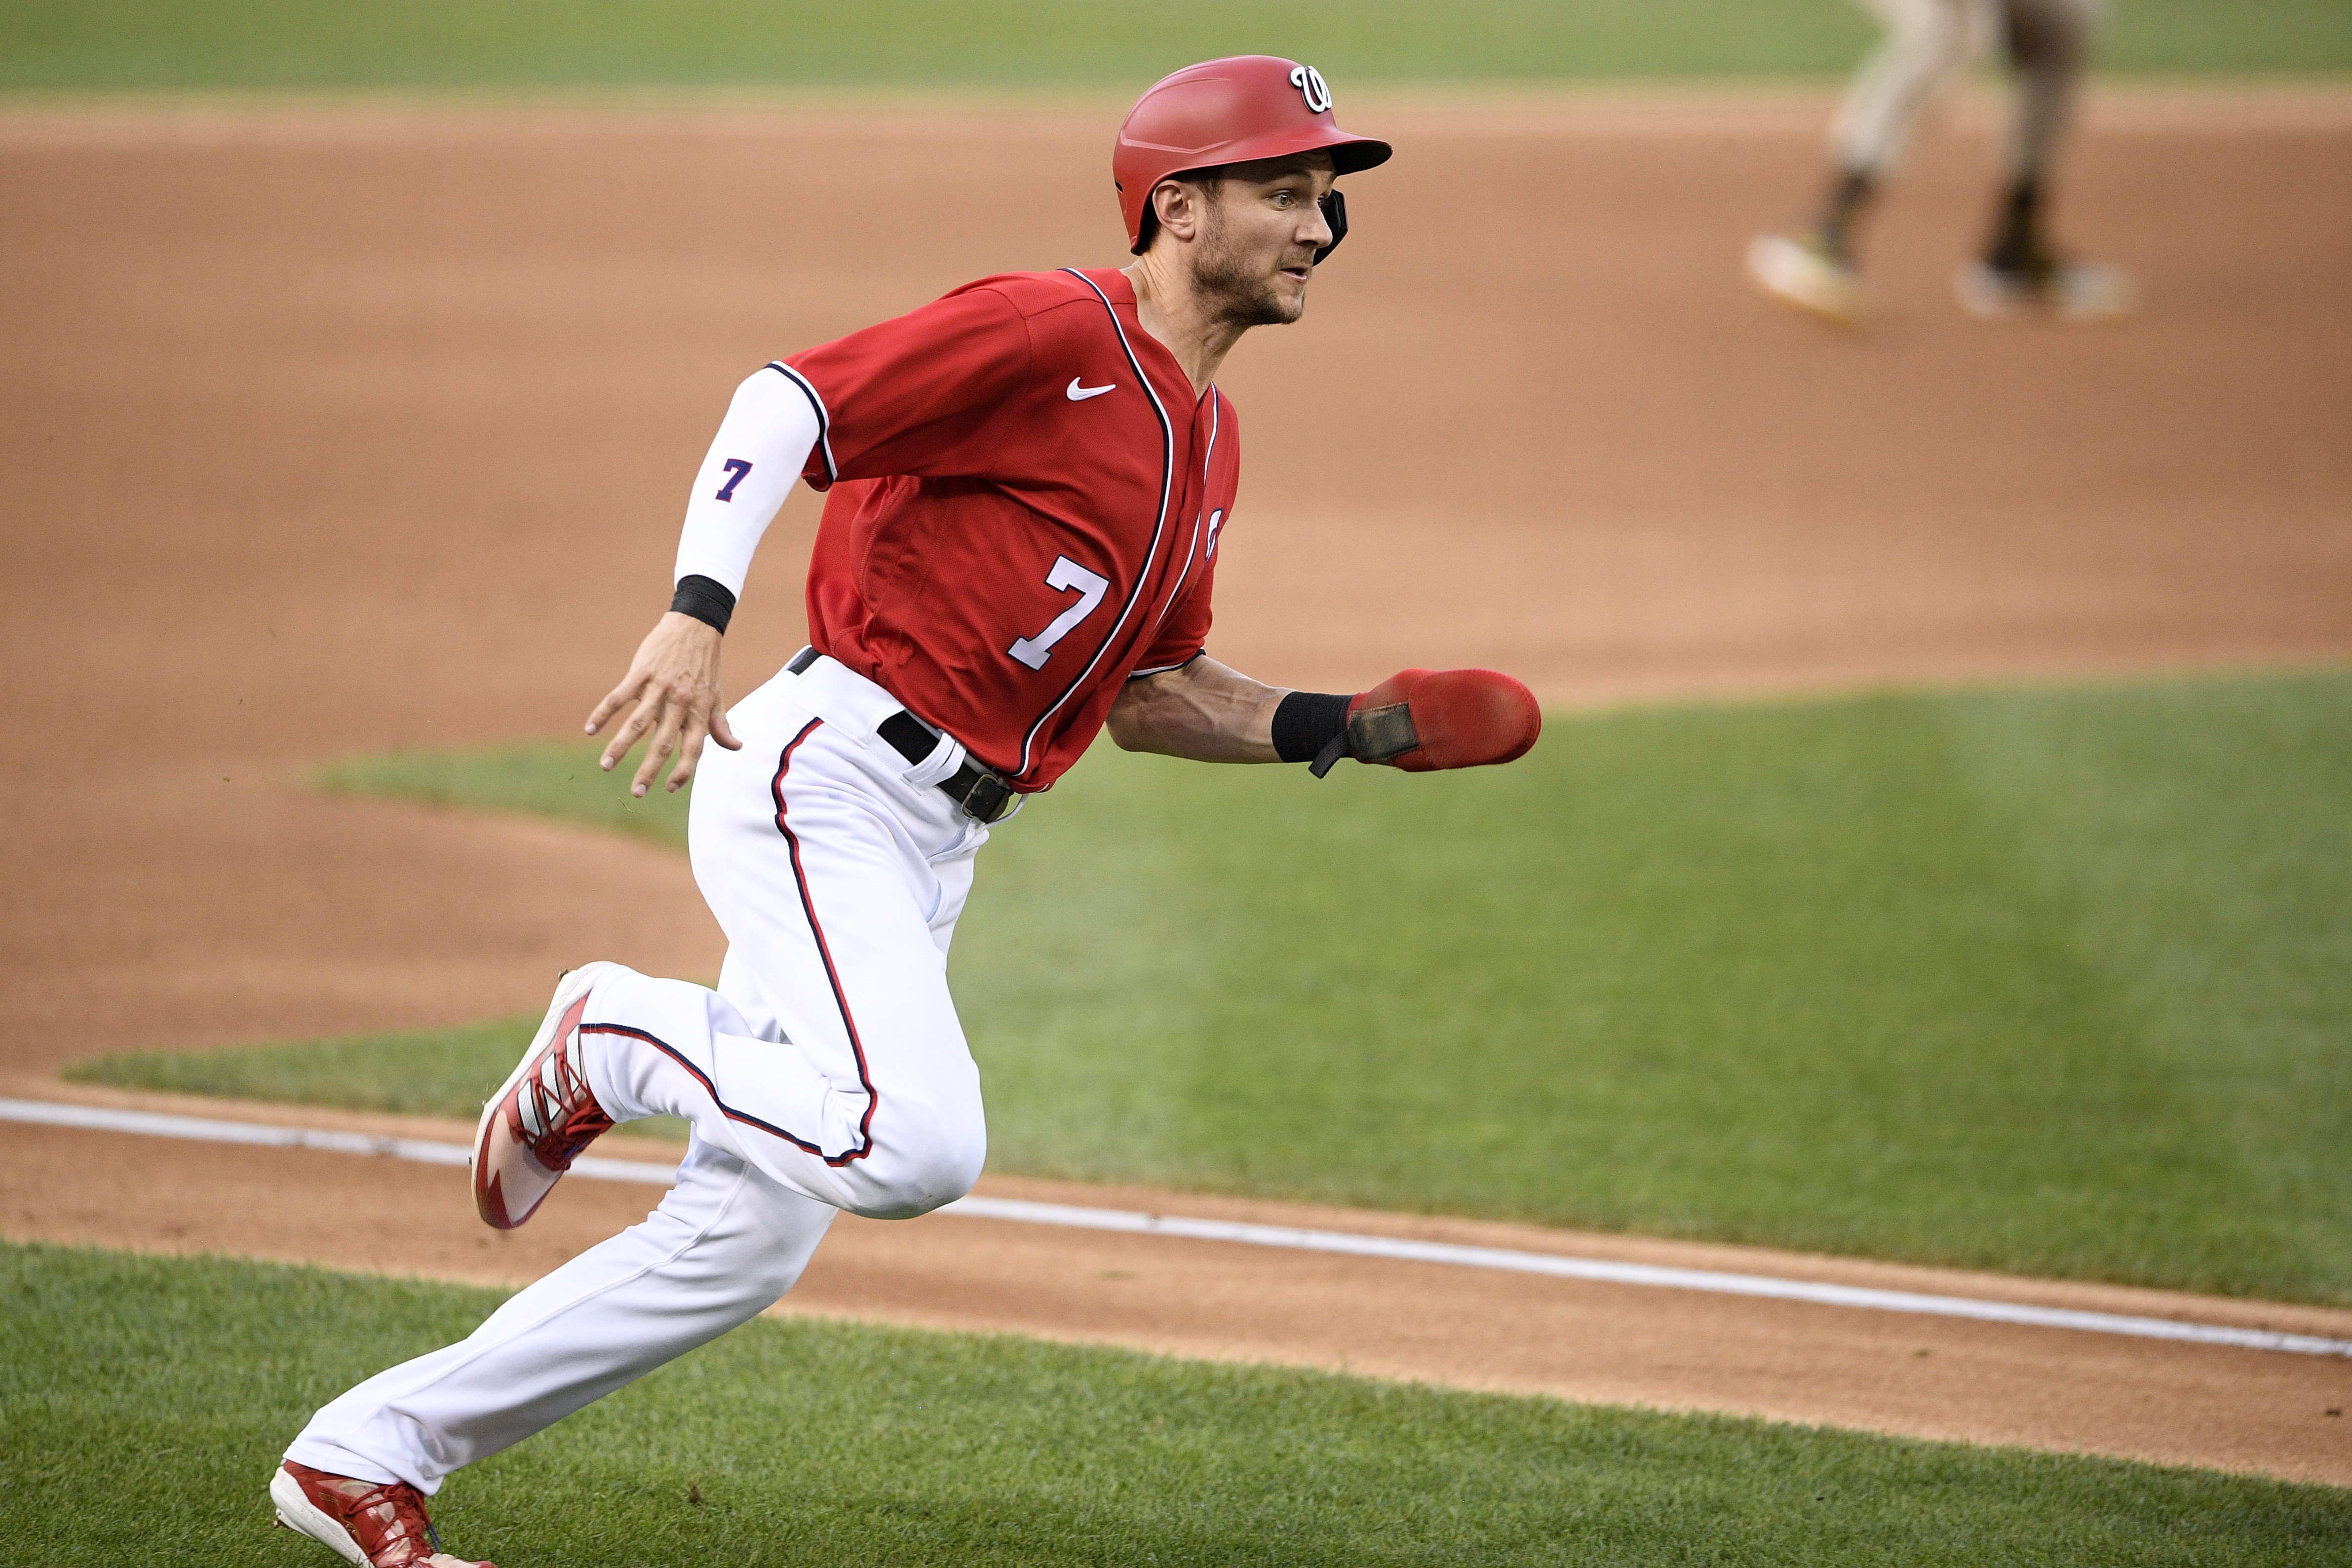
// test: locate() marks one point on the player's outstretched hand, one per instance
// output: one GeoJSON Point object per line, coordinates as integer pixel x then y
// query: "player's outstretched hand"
{"type": "Point", "coordinates": [673, 680]}
{"type": "Point", "coordinates": [1424, 720]}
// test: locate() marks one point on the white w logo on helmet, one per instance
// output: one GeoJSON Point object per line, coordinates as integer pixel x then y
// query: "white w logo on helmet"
{"type": "Point", "coordinates": [1312, 88]}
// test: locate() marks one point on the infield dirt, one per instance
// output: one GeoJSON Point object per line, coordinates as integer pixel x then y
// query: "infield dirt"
{"type": "Point", "coordinates": [341, 430]}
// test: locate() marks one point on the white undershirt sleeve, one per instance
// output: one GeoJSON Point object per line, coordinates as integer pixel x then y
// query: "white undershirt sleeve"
{"type": "Point", "coordinates": [757, 454]}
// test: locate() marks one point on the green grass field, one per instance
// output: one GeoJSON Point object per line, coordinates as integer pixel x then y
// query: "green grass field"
{"type": "Point", "coordinates": [144, 1401]}
{"type": "Point", "coordinates": [78, 45]}
{"type": "Point", "coordinates": [2054, 981]}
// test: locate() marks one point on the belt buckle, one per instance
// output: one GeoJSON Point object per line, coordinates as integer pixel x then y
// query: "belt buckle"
{"type": "Point", "coordinates": [991, 800]}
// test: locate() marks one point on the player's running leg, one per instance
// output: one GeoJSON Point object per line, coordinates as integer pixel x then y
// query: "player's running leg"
{"type": "Point", "coordinates": [838, 882]}
{"type": "Point", "coordinates": [841, 1081]}
{"type": "Point", "coordinates": [837, 872]}
{"type": "Point", "coordinates": [1924, 45]}
{"type": "Point", "coordinates": [2020, 273]}
{"type": "Point", "coordinates": [724, 1244]}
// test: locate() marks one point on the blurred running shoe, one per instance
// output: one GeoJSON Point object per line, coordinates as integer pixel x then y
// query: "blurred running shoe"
{"type": "Point", "coordinates": [1805, 274]}
{"type": "Point", "coordinates": [2046, 285]}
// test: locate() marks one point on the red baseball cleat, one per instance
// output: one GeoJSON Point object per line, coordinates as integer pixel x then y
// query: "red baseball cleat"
{"type": "Point", "coordinates": [545, 1114]}
{"type": "Point", "coordinates": [367, 1524]}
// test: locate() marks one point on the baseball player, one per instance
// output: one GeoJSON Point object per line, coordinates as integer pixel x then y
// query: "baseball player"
{"type": "Point", "coordinates": [1927, 43]}
{"type": "Point", "coordinates": [1028, 481]}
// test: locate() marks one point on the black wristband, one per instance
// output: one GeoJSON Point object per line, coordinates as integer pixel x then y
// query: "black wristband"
{"type": "Point", "coordinates": [1306, 722]}
{"type": "Point", "coordinates": [706, 600]}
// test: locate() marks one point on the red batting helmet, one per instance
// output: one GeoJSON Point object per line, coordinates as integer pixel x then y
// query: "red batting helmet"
{"type": "Point", "coordinates": [1228, 111]}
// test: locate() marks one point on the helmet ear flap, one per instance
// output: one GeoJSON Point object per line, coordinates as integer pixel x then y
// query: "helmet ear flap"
{"type": "Point", "coordinates": [1335, 213]}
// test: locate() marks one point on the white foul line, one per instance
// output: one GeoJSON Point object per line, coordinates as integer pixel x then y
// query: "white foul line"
{"type": "Point", "coordinates": [1074, 1218]}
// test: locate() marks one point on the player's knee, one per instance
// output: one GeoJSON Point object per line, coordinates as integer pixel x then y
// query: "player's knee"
{"type": "Point", "coordinates": [928, 1155]}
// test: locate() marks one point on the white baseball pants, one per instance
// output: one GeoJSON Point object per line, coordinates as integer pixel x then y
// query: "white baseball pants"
{"type": "Point", "coordinates": [1928, 43]}
{"type": "Point", "coordinates": [827, 1072]}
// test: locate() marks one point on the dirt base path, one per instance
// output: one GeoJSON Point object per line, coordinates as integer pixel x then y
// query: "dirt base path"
{"type": "Point", "coordinates": [345, 430]}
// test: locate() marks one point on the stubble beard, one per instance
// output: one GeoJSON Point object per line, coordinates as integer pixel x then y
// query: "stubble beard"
{"type": "Point", "coordinates": [1236, 296]}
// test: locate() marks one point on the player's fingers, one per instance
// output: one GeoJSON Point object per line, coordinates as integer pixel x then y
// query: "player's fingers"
{"type": "Point", "coordinates": [656, 707]}
{"type": "Point", "coordinates": [722, 731]}
{"type": "Point", "coordinates": [657, 751]}
{"type": "Point", "coordinates": [626, 735]}
{"type": "Point", "coordinates": [628, 688]}
{"type": "Point", "coordinates": [690, 755]}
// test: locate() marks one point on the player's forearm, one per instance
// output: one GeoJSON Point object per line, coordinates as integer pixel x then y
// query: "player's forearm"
{"type": "Point", "coordinates": [1202, 711]}
{"type": "Point", "coordinates": [1421, 721]}
{"type": "Point", "coordinates": [759, 452]}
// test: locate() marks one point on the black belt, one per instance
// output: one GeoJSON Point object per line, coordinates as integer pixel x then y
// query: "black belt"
{"type": "Point", "coordinates": [985, 794]}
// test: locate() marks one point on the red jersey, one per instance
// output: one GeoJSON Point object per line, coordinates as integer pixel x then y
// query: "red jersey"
{"type": "Point", "coordinates": [1026, 498]}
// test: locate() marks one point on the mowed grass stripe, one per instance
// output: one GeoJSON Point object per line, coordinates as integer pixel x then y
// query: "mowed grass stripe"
{"type": "Point", "coordinates": [146, 1400]}
{"type": "Point", "coordinates": [374, 44]}
{"type": "Point", "coordinates": [2052, 981]}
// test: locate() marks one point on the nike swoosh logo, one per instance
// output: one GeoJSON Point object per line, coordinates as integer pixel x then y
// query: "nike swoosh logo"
{"type": "Point", "coordinates": [1080, 394]}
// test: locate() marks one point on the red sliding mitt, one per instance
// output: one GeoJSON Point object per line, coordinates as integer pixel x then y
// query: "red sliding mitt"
{"type": "Point", "coordinates": [1424, 720]}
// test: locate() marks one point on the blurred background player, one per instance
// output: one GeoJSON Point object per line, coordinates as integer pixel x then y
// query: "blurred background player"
{"type": "Point", "coordinates": [1928, 43]}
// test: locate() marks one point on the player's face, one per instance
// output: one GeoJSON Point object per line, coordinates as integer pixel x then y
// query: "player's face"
{"type": "Point", "coordinates": [1259, 234]}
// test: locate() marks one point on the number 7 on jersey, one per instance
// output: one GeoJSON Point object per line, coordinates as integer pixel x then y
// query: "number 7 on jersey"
{"type": "Point", "coordinates": [1066, 575]}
